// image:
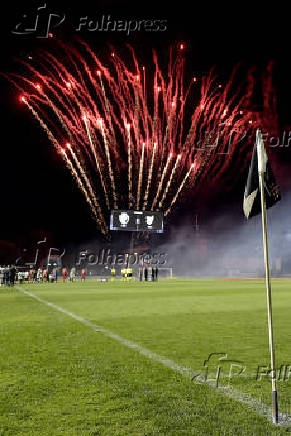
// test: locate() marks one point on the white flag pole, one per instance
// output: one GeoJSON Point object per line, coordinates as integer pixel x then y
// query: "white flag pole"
{"type": "Point", "coordinates": [262, 160]}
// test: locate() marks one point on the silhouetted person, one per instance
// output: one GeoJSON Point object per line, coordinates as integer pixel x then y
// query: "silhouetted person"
{"type": "Point", "coordinates": [157, 273]}
{"type": "Point", "coordinates": [12, 275]}
{"type": "Point", "coordinates": [146, 272]}
{"type": "Point", "coordinates": [6, 277]}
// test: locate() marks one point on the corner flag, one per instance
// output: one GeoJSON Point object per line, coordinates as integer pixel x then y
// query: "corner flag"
{"type": "Point", "coordinates": [252, 201]}
{"type": "Point", "coordinates": [261, 179]}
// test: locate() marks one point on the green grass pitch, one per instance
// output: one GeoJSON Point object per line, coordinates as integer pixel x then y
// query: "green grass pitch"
{"type": "Point", "coordinates": [61, 377]}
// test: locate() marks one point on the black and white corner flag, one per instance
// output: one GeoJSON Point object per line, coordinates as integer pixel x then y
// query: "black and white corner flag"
{"type": "Point", "coordinates": [252, 201]}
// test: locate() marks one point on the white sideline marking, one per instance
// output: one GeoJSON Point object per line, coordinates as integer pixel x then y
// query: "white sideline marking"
{"type": "Point", "coordinates": [256, 405]}
{"type": "Point", "coordinates": [148, 353]}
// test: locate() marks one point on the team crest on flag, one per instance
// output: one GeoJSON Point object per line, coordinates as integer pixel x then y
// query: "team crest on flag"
{"type": "Point", "coordinates": [252, 202]}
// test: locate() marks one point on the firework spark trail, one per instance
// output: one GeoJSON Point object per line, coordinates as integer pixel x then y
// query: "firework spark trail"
{"type": "Point", "coordinates": [144, 83]}
{"type": "Point", "coordinates": [110, 130]}
{"type": "Point", "coordinates": [149, 177]}
{"type": "Point", "coordinates": [140, 176]}
{"type": "Point", "coordinates": [129, 161]}
{"type": "Point", "coordinates": [161, 181]}
{"type": "Point", "coordinates": [87, 181]}
{"type": "Point", "coordinates": [116, 87]}
{"type": "Point", "coordinates": [63, 120]}
{"type": "Point", "coordinates": [42, 123]}
{"type": "Point", "coordinates": [96, 160]}
{"type": "Point", "coordinates": [102, 224]}
{"type": "Point", "coordinates": [171, 94]}
{"type": "Point", "coordinates": [170, 181]}
{"type": "Point", "coordinates": [168, 131]}
{"type": "Point", "coordinates": [111, 175]}
{"type": "Point", "coordinates": [179, 190]}
{"type": "Point", "coordinates": [103, 91]}
{"type": "Point", "coordinates": [109, 125]}
{"type": "Point", "coordinates": [136, 126]}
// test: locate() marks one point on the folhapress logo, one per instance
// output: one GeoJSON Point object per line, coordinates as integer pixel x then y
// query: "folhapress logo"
{"type": "Point", "coordinates": [43, 21]}
{"type": "Point", "coordinates": [40, 24]}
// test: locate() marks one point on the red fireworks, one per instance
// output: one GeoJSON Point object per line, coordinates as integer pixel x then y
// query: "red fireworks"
{"type": "Point", "coordinates": [132, 139]}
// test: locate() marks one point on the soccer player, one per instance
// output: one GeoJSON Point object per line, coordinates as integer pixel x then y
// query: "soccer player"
{"type": "Point", "coordinates": [65, 274]}
{"type": "Point", "coordinates": [83, 274]}
{"type": "Point", "coordinates": [55, 275]}
{"type": "Point", "coordinates": [72, 274]}
{"type": "Point", "coordinates": [113, 274]}
{"type": "Point", "coordinates": [20, 277]}
{"type": "Point", "coordinates": [39, 275]}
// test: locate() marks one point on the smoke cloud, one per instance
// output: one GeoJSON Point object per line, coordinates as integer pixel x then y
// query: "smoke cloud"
{"type": "Point", "coordinates": [230, 246]}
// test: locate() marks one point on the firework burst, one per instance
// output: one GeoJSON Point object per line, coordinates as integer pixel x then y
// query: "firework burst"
{"type": "Point", "coordinates": [137, 140]}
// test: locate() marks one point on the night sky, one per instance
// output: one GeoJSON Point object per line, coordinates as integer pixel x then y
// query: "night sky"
{"type": "Point", "coordinates": [37, 192]}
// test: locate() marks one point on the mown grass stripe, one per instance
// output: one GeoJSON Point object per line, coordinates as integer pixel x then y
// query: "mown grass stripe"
{"type": "Point", "coordinates": [256, 405]}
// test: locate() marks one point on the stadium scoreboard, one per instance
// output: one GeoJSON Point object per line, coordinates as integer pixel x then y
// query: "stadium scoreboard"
{"type": "Point", "coordinates": [137, 221]}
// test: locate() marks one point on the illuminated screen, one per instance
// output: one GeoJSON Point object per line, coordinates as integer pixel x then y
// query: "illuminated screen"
{"type": "Point", "coordinates": [135, 221]}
